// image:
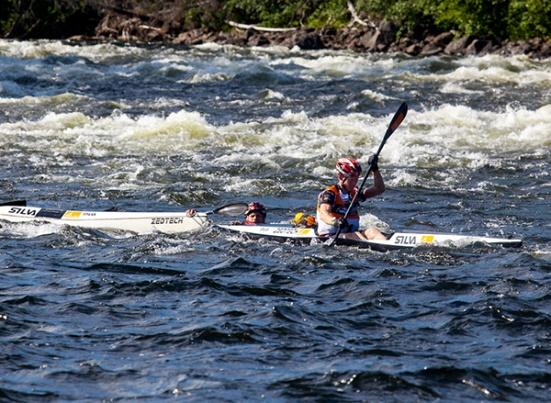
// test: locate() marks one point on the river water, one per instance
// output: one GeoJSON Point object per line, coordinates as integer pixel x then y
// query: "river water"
{"type": "Point", "coordinates": [91, 315]}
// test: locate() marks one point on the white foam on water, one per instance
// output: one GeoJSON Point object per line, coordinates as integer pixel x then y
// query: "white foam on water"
{"type": "Point", "coordinates": [43, 101]}
{"type": "Point", "coordinates": [456, 88]}
{"type": "Point", "coordinates": [462, 129]}
{"type": "Point", "coordinates": [212, 46]}
{"type": "Point", "coordinates": [370, 220]}
{"type": "Point", "coordinates": [43, 48]}
{"type": "Point", "coordinates": [28, 229]}
{"type": "Point", "coordinates": [340, 63]}
{"type": "Point", "coordinates": [214, 62]}
{"type": "Point", "coordinates": [206, 77]}
{"type": "Point", "coordinates": [76, 133]}
{"type": "Point", "coordinates": [160, 103]}
{"type": "Point", "coordinates": [167, 133]}
{"type": "Point", "coordinates": [273, 95]}
{"type": "Point", "coordinates": [376, 96]}
{"type": "Point", "coordinates": [446, 137]}
{"type": "Point", "coordinates": [496, 69]}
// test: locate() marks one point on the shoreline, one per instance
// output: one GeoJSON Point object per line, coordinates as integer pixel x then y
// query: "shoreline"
{"type": "Point", "coordinates": [362, 39]}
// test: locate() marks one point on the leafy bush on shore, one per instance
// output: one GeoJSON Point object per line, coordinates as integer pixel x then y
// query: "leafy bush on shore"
{"type": "Point", "coordinates": [288, 13]}
{"type": "Point", "coordinates": [46, 18]}
{"type": "Point", "coordinates": [501, 19]}
{"type": "Point", "coordinates": [529, 19]}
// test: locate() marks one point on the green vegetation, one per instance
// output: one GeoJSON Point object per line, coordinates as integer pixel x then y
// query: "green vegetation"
{"type": "Point", "coordinates": [331, 13]}
{"type": "Point", "coordinates": [288, 13]}
{"type": "Point", "coordinates": [46, 18]}
{"type": "Point", "coordinates": [501, 19]}
{"type": "Point", "coordinates": [529, 19]}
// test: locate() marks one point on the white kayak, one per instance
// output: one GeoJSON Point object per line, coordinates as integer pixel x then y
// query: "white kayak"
{"type": "Point", "coordinates": [137, 222]}
{"type": "Point", "coordinates": [398, 240]}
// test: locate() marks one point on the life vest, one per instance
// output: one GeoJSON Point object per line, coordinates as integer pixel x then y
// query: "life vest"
{"type": "Point", "coordinates": [339, 208]}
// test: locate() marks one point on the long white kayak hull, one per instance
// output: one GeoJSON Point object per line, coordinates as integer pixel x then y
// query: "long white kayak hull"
{"type": "Point", "coordinates": [137, 222]}
{"type": "Point", "coordinates": [398, 240]}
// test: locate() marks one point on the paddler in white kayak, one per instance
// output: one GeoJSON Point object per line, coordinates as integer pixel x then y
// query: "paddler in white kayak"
{"type": "Point", "coordinates": [255, 214]}
{"type": "Point", "coordinates": [334, 201]}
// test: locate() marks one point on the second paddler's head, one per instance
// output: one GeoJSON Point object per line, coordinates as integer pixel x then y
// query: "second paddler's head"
{"type": "Point", "coordinates": [255, 213]}
{"type": "Point", "coordinates": [348, 172]}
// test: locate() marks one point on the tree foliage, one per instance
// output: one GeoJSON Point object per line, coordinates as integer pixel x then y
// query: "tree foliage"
{"type": "Point", "coordinates": [529, 19]}
{"type": "Point", "coordinates": [331, 13]}
{"type": "Point", "coordinates": [285, 13]}
{"type": "Point", "coordinates": [410, 17]}
{"type": "Point", "coordinates": [503, 19]}
{"type": "Point", "coordinates": [46, 18]}
{"type": "Point", "coordinates": [474, 17]}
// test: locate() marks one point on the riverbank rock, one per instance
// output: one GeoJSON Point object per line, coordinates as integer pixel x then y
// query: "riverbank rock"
{"type": "Point", "coordinates": [374, 38]}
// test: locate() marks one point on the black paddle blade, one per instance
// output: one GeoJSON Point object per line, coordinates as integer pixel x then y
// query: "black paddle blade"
{"type": "Point", "coordinates": [233, 209]}
{"type": "Point", "coordinates": [14, 203]}
{"type": "Point", "coordinates": [397, 119]}
{"type": "Point", "coordinates": [399, 116]}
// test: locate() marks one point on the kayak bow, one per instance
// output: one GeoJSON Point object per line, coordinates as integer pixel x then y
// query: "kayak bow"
{"type": "Point", "coordinates": [138, 222]}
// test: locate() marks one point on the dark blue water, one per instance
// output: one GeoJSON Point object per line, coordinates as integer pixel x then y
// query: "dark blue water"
{"type": "Point", "coordinates": [89, 315]}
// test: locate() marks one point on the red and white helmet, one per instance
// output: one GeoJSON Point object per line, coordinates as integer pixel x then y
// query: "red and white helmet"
{"type": "Point", "coordinates": [348, 166]}
{"type": "Point", "coordinates": [255, 207]}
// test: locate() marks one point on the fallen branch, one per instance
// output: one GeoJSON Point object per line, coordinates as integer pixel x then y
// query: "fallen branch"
{"type": "Point", "coordinates": [147, 27]}
{"type": "Point", "coordinates": [257, 28]}
{"type": "Point", "coordinates": [356, 18]}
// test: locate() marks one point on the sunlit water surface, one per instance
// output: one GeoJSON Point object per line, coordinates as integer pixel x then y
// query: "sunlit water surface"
{"type": "Point", "coordinates": [91, 315]}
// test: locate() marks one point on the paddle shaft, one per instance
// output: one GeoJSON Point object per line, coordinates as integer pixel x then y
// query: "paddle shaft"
{"type": "Point", "coordinates": [394, 123]}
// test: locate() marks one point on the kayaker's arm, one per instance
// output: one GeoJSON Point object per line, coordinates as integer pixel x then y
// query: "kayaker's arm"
{"type": "Point", "coordinates": [326, 215]}
{"type": "Point", "coordinates": [378, 185]}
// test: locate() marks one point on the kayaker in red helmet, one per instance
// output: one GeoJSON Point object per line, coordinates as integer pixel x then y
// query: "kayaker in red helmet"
{"type": "Point", "coordinates": [334, 201]}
